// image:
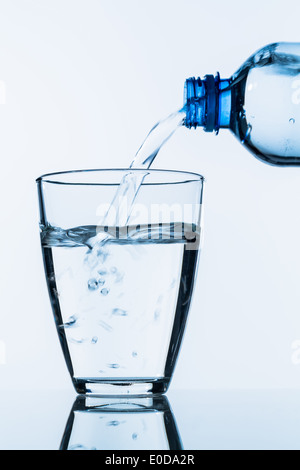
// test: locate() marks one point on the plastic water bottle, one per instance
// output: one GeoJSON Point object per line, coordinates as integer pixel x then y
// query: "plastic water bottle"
{"type": "Point", "coordinates": [260, 103]}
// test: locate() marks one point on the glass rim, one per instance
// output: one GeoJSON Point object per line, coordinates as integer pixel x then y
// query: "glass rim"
{"type": "Point", "coordinates": [47, 177]}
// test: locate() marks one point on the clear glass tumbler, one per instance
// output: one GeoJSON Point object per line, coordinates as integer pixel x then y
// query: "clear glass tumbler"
{"type": "Point", "coordinates": [123, 423]}
{"type": "Point", "coordinates": [120, 251]}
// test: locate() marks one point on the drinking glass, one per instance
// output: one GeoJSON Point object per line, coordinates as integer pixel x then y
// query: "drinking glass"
{"type": "Point", "coordinates": [120, 250]}
{"type": "Point", "coordinates": [123, 423]}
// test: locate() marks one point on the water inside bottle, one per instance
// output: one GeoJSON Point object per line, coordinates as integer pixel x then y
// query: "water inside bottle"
{"type": "Point", "coordinates": [265, 104]}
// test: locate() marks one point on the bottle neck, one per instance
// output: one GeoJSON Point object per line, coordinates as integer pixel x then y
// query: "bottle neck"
{"type": "Point", "coordinates": [207, 103]}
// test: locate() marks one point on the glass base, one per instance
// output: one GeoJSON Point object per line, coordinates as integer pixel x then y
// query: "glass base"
{"type": "Point", "coordinates": [136, 387]}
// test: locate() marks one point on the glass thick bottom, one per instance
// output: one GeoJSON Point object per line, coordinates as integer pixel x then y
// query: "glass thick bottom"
{"type": "Point", "coordinates": [113, 387]}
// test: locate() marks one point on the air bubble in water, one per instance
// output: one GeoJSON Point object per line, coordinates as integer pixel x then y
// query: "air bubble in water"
{"type": "Point", "coordinates": [104, 291]}
{"type": "Point", "coordinates": [71, 322]}
{"type": "Point", "coordinates": [105, 325]}
{"type": "Point", "coordinates": [92, 284]}
{"type": "Point", "coordinates": [102, 271]}
{"type": "Point", "coordinates": [119, 312]}
{"type": "Point", "coordinates": [101, 281]}
{"type": "Point", "coordinates": [94, 339]}
{"type": "Point", "coordinates": [134, 354]}
{"type": "Point", "coordinates": [102, 254]}
{"type": "Point", "coordinates": [77, 341]}
{"type": "Point", "coordinates": [156, 314]}
{"type": "Point", "coordinates": [113, 366]}
{"type": "Point", "coordinates": [292, 121]}
{"type": "Point", "coordinates": [113, 423]}
{"type": "Point", "coordinates": [119, 277]}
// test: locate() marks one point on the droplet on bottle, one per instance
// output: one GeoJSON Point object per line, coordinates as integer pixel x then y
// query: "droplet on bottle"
{"type": "Point", "coordinates": [292, 121]}
{"type": "Point", "coordinates": [248, 133]}
{"type": "Point", "coordinates": [249, 129]}
{"type": "Point", "coordinates": [104, 291]}
{"type": "Point", "coordinates": [92, 284]}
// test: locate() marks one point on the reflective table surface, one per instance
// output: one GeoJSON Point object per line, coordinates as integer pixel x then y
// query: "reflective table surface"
{"type": "Point", "coordinates": [193, 420]}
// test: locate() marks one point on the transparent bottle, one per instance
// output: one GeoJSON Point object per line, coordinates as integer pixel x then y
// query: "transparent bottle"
{"type": "Point", "coordinates": [260, 104]}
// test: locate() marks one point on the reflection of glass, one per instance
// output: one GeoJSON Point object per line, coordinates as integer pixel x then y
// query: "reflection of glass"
{"type": "Point", "coordinates": [141, 423]}
{"type": "Point", "coordinates": [120, 294]}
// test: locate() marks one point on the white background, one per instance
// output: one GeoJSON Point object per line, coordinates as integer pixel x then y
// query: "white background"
{"type": "Point", "coordinates": [85, 80]}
